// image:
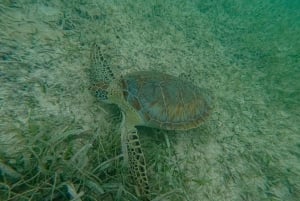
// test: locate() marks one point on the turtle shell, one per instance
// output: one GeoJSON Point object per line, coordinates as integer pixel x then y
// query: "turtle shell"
{"type": "Point", "coordinates": [164, 101]}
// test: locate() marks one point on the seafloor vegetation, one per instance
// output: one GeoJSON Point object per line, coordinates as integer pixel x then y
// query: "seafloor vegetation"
{"type": "Point", "coordinates": [58, 143]}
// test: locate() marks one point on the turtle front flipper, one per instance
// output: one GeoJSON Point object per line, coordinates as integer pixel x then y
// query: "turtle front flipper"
{"type": "Point", "coordinates": [135, 159]}
{"type": "Point", "coordinates": [102, 76]}
{"type": "Point", "coordinates": [137, 163]}
{"type": "Point", "coordinates": [100, 70]}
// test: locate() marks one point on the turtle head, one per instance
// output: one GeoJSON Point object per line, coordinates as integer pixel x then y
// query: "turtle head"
{"type": "Point", "coordinates": [107, 92]}
{"type": "Point", "coordinates": [100, 90]}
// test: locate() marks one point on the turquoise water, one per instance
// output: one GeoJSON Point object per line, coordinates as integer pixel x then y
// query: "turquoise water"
{"type": "Point", "coordinates": [264, 36]}
{"type": "Point", "coordinates": [57, 141]}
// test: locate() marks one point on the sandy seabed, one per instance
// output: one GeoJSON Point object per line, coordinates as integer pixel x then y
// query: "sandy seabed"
{"type": "Point", "coordinates": [57, 142]}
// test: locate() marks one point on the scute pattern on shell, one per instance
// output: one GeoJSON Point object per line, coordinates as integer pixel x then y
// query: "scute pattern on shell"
{"type": "Point", "coordinates": [164, 101]}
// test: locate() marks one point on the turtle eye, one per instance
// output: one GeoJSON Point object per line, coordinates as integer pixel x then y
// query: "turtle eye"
{"type": "Point", "coordinates": [101, 94]}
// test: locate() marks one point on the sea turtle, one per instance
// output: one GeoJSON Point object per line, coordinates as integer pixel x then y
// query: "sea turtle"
{"type": "Point", "coordinates": [148, 98]}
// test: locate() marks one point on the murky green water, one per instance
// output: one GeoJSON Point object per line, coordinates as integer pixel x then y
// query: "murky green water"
{"type": "Point", "coordinates": [58, 142]}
